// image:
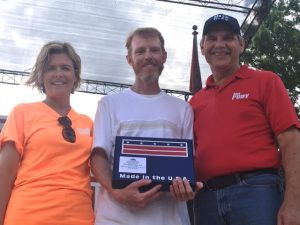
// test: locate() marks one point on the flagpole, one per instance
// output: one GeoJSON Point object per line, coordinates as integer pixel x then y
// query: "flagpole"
{"type": "Point", "coordinates": [195, 74]}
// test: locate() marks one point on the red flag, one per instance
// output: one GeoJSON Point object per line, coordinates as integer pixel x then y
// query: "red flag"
{"type": "Point", "coordinates": [195, 77]}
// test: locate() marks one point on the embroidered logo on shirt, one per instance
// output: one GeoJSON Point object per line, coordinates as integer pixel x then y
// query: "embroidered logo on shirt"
{"type": "Point", "coordinates": [86, 131]}
{"type": "Point", "coordinates": [239, 95]}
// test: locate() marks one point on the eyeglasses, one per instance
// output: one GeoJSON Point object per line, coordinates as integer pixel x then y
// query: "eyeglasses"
{"type": "Point", "coordinates": [67, 132]}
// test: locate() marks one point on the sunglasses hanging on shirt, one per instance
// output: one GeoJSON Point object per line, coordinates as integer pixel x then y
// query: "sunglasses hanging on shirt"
{"type": "Point", "coordinates": [68, 132]}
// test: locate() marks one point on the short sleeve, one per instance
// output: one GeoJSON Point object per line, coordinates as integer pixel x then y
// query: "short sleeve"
{"type": "Point", "coordinates": [13, 129]}
{"type": "Point", "coordinates": [102, 135]}
{"type": "Point", "coordinates": [188, 123]}
{"type": "Point", "coordinates": [278, 106]}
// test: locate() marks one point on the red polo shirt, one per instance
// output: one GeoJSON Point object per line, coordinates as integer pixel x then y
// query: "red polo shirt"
{"type": "Point", "coordinates": [236, 124]}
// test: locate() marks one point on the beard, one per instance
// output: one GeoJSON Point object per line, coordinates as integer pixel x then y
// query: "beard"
{"type": "Point", "coordinates": [149, 74]}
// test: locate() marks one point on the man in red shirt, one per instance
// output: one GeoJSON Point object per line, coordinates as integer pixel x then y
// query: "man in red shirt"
{"type": "Point", "coordinates": [242, 117]}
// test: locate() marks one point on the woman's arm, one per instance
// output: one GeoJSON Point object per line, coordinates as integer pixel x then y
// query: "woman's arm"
{"type": "Point", "coordinates": [9, 164]}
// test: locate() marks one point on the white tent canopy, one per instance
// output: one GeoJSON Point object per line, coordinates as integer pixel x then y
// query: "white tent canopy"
{"type": "Point", "coordinates": [98, 29]}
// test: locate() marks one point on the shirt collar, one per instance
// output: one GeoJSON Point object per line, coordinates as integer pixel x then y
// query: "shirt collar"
{"type": "Point", "coordinates": [240, 73]}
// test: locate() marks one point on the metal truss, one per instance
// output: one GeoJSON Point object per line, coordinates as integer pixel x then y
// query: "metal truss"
{"type": "Point", "coordinates": [87, 86]}
{"type": "Point", "coordinates": [254, 15]}
{"type": "Point", "coordinates": [230, 5]}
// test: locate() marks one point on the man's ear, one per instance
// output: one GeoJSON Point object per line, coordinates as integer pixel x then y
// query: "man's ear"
{"type": "Point", "coordinates": [242, 44]}
{"type": "Point", "coordinates": [129, 59]}
{"type": "Point", "coordinates": [202, 46]}
{"type": "Point", "coordinates": [165, 56]}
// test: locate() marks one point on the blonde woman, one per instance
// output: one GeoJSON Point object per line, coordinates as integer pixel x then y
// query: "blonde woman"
{"type": "Point", "coordinates": [45, 148]}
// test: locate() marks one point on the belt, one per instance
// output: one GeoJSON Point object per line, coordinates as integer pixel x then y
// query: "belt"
{"type": "Point", "coordinates": [227, 180]}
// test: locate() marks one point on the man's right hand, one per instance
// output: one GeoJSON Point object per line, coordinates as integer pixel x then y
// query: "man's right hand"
{"type": "Point", "coordinates": [132, 196]}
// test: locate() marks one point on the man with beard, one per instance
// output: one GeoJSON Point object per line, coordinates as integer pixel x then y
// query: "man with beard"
{"type": "Point", "coordinates": [141, 111]}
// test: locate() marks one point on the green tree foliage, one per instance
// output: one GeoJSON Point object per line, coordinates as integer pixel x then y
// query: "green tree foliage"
{"type": "Point", "coordinates": [276, 46]}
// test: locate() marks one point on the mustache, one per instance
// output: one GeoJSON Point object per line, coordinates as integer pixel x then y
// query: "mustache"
{"type": "Point", "coordinates": [149, 62]}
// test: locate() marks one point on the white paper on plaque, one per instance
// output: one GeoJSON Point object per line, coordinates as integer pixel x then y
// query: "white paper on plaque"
{"type": "Point", "coordinates": [132, 165]}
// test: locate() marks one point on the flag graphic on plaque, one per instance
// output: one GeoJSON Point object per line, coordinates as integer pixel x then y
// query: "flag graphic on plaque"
{"type": "Point", "coordinates": [154, 148]}
{"type": "Point", "coordinates": [158, 159]}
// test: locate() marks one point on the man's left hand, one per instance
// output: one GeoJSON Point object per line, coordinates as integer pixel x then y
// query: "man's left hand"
{"type": "Point", "coordinates": [182, 190]}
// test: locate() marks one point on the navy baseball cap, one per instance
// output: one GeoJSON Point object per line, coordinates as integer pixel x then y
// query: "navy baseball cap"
{"type": "Point", "coordinates": [222, 19]}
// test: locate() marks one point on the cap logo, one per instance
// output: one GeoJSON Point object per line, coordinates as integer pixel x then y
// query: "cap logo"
{"type": "Point", "coordinates": [221, 17]}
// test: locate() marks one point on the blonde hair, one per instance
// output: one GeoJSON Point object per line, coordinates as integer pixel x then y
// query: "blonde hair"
{"type": "Point", "coordinates": [145, 32]}
{"type": "Point", "coordinates": [42, 61]}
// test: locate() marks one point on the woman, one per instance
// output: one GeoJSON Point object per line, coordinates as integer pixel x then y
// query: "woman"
{"type": "Point", "coordinates": [45, 148]}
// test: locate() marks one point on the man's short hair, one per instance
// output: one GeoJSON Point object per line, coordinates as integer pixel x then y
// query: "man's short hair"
{"type": "Point", "coordinates": [145, 32]}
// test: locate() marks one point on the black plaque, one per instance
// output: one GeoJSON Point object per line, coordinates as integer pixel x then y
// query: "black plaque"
{"type": "Point", "coordinates": [158, 159]}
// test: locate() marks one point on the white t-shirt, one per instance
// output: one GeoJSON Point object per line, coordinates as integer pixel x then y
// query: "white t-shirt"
{"type": "Point", "coordinates": [132, 114]}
